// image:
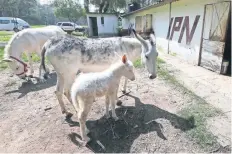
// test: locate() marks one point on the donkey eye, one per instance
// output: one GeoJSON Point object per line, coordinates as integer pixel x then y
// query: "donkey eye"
{"type": "Point", "coordinates": [17, 68]}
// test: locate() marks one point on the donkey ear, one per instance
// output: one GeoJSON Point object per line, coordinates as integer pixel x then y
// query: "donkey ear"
{"type": "Point", "coordinates": [124, 59]}
{"type": "Point", "coordinates": [7, 60]}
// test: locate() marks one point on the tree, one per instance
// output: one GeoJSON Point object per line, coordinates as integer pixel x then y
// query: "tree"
{"type": "Point", "coordinates": [86, 5]}
{"type": "Point", "coordinates": [111, 6]}
{"type": "Point", "coordinates": [70, 9]}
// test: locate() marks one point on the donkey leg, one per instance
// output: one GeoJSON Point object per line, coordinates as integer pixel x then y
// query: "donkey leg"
{"type": "Point", "coordinates": [107, 103]}
{"type": "Point", "coordinates": [112, 102]}
{"type": "Point", "coordinates": [68, 85]}
{"type": "Point", "coordinates": [124, 86]}
{"type": "Point", "coordinates": [31, 70]}
{"type": "Point", "coordinates": [59, 94]}
{"type": "Point", "coordinates": [85, 106]}
{"type": "Point", "coordinates": [118, 102]}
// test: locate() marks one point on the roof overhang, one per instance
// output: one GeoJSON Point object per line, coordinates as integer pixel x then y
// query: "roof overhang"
{"type": "Point", "coordinates": [149, 7]}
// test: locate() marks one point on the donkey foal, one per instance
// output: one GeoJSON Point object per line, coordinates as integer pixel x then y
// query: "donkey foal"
{"type": "Point", "coordinates": [88, 86]}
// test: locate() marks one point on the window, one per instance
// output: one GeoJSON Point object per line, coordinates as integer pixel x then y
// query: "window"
{"type": "Point", "coordinates": [14, 21]}
{"type": "Point", "coordinates": [102, 20]}
{"type": "Point", "coordinates": [4, 21]}
{"type": "Point", "coordinates": [59, 23]}
{"type": "Point", "coordinates": [67, 24]}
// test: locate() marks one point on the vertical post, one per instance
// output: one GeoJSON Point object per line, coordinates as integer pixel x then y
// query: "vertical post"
{"type": "Point", "coordinates": [170, 7]}
{"type": "Point", "coordinates": [202, 33]}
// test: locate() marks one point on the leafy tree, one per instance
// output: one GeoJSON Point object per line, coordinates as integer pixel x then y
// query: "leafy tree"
{"type": "Point", "coordinates": [112, 6]}
{"type": "Point", "coordinates": [70, 9]}
{"type": "Point", "coordinates": [116, 6]}
{"type": "Point", "coordinates": [86, 5]}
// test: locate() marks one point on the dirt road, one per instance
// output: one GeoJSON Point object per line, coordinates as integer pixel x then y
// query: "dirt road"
{"type": "Point", "coordinates": [31, 120]}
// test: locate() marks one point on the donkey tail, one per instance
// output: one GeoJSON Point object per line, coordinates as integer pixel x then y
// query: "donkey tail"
{"type": "Point", "coordinates": [42, 64]}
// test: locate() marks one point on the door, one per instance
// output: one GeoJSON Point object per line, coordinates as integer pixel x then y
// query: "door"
{"type": "Point", "coordinates": [214, 35]}
{"type": "Point", "coordinates": [138, 23]}
{"type": "Point", "coordinates": [93, 21]}
{"type": "Point", "coordinates": [148, 22]}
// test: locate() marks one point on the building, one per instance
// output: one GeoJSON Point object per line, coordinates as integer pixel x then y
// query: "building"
{"type": "Point", "coordinates": [102, 24]}
{"type": "Point", "coordinates": [197, 31]}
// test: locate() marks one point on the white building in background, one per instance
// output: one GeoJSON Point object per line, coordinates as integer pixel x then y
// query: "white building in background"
{"type": "Point", "coordinates": [195, 30]}
{"type": "Point", "coordinates": [102, 24]}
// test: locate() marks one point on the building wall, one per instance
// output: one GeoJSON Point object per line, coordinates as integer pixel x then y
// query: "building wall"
{"type": "Point", "coordinates": [186, 10]}
{"type": "Point", "coordinates": [110, 24]}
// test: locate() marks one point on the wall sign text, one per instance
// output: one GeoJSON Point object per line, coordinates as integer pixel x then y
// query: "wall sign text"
{"type": "Point", "coordinates": [176, 27]}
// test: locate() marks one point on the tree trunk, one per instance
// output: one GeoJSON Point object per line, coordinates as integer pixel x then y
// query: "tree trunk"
{"type": "Point", "coordinates": [106, 6]}
{"type": "Point", "coordinates": [86, 4]}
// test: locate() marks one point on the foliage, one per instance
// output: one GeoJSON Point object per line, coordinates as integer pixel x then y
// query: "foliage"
{"type": "Point", "coordinates": [29, 10]}
{"type": "Point", "coordinates": [111, 6]}
{"type": "Point", "coordinates": [37, 26]}
{"type": "Point", "coordinates": [116, 6]}
{"type": "Point", "coordinates": [5, 36]}
{"type": "Point", "coordinates": [3, 65]}
{"type": "Point", "coordinates": [196, 110]}
{"type": "Point", "coordinates": [70, 9]}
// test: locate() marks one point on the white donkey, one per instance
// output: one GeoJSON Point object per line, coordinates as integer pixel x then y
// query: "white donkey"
{"type": "Point", "coordinates": [28, 40]}
{"type": "Point", "coordinates": [89, 86]}
{"type": "Point", "coordinates": [69, 54]}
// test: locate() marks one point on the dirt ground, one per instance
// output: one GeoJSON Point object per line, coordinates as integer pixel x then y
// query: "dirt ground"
{"type": "Point", "coordinates": [31, 120]}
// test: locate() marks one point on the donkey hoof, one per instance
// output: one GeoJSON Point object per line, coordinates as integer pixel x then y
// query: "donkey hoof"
{"type": "Point", "coordinates": [87, 131]}
{"type": "Point", "coordinates": [30, 76]}
{"type": "Point", "coordinates": [86, 140]}
{"type": "Point", "coordinates": [119, 103]}
{"type": "Point", "coordinates": [107, 116]}
{"type": "Point", "coordinates": [116, 118]}
{"type": "Point", "coordinates": [68, 115]}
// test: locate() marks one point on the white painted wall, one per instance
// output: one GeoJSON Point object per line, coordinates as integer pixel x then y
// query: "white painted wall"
{"type": "Point", "coordinates": [160, 24]}
{"type": "Point", "coordinates": [110, 24]}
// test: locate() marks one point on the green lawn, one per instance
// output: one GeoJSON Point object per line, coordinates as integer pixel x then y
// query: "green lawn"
{"type": "Point", "coordinates": [37, 26]}
{"type": "Point", "coordinates": [3, 65]}
{"type": "Point", "coordinates": [5, 35]}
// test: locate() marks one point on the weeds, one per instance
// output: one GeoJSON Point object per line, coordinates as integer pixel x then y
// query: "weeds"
{"type": "Point", "coordinates": [197, 107]}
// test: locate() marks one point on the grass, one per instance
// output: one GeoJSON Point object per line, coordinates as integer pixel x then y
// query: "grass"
{"type": "Point", "coordinates": [173, 54]}
{"type": "Point", "coordinates": [37, 26]}
{"type": "Point", "coordinates": [3, 65]}
{"type": "Point", "coordinates": [159, 48]}
{"type": "Point", "coordinates": [35, 57]}
{"type": "Point", "coordinates": [137, 63]}
{"type": "Point", "coordinates": [5, 36]}
{"type": "Point", "coordinates": [198, 108]}
{"type": "Point", "coordinates": [77, 33]}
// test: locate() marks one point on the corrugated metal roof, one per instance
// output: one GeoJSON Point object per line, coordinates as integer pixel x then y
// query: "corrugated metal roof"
{"type": "Point", "coordinates": [149, 7]}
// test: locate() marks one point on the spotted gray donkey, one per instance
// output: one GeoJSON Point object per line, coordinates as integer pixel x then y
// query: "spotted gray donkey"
{"type": "Point", "coordinates": [69, 54]}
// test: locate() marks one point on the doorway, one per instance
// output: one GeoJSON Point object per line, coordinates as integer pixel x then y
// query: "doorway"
{"type": "Point", "coordinates": [214, 36]}
{"type": "Point", "coordinates": [227, 50]}
{"type": "Point", "coordinates": [94, 28]}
